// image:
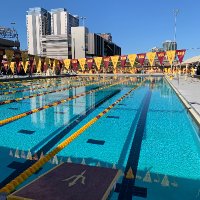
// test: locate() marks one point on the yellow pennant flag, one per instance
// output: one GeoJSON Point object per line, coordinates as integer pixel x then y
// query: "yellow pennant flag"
{"type": "Point", "coordinates": [82, 63]}
{"type": "Point", "coordinates": [132, 58]}
{"type": "Point", "coordinates": [151, 57]}
{"type": "Point", "coordinates": [114, 60]}
{"type": "Point", "coordinates": [39, 66]}
{"type": "Point", "coordinates": [171, 56]}
{"type": "Point", "coordinates": [98, 61]}
{"type": "Point", "coordinates": [67, 63]}
{"type": "Point", "coordinates": [12, 67]}
{"type": "Point", "coordinates": [26, 66]}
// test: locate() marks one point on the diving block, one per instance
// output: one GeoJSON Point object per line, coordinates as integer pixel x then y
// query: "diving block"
{"type": "Point", "coordinates": [71, 181]}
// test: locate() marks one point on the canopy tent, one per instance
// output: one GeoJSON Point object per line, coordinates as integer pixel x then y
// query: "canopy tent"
{"type": "Point", "coordinates": [193, 60]}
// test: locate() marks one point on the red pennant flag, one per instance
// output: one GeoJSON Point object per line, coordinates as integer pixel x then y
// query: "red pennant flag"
{"type": "Point", "coordinates": [161, 56]}
{"type": "Point", "coordinates": [74, 64]}
{"type": "Point", "coordinates": [180, 54]}
{"type": "Point", "coordinates": [106, 61]}
{"type": "Point", "coordinates": [90, 63]}
{"type": "Point", "coordinates": [123, 60]}
{"type": "Point", "coordinates": [141, 58]}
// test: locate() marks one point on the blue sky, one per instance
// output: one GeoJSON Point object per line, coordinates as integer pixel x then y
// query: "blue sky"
{"type": "Point", "coordinates": [136, 26]}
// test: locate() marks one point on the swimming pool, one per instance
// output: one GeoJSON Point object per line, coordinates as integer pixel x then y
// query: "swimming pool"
{"type": "Point", "coordinates": [150, 130]}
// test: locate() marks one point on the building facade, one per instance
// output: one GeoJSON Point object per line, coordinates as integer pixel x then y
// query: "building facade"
{"type": "Point", "coordinates": [169, 45]}
{"type": "Point", "coordinates": [38, 22]}
{"type": "Point", "coordinates": [79, 41]}
{"type": "Point", "coordinates": [62, 21]}
{"type": "Point", "coordinates": [56, 46]}
{"type": "Point", "coordinates": [99, 46]}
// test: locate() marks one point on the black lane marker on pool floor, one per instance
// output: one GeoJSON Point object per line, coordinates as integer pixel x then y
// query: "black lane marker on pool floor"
{"type": "Point", "coordinates": [99, 142]}
{"type": "Point", "coordinates": [114, 117]}
{"type": "Point", "coordinates": [127, 189]}
{"type": "Point", "coordinates": [26, 131]}
{"type": "Point", "coordinates": [55, 140]}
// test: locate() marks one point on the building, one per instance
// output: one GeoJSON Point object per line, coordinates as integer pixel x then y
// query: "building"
{"type": "Point", "coordinates": [56, 46]}
{"type": "Point", "coordinates": [106, 36]}
{"type": "Point", "coordinates": [99, 46]}
{"type": "Point", "coordinates": [157, 49]}
{"type": "Point", "coordinates": [169, 45]}
{"type": "Point", "coordinates": [79, 41]}
{"type": "Point", "coordinates": [95, 45]}
{"type": "Point", "coordinates": [38, 22]}
{"type": "Point", "coordinates": [62, 21]}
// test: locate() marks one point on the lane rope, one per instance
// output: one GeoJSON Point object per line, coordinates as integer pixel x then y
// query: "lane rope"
{"type": "Point", "coordinates": [49, 92]}
{"type": "Point", "coordinates": [8, 188]}
{"type": "Point", "coordinates": [35, 88]}
{"type": "Point", "coordinates": [16, 117]}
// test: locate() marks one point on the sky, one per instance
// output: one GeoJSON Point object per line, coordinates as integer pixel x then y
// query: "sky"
{"type": "Point", "coordinates": [136, 26]}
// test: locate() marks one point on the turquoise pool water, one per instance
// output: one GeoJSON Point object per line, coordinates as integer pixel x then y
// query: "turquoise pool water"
{"type": "Point", "coordinates": [169, 147]}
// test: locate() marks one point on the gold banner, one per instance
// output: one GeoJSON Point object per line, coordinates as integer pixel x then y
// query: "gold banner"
{"type": "Point", "coordinates": [114, 60]}
{"type": "Point", "coordinates": [26, 66]}
{"type": "Point", "coordinates": [82, 63]}
{"type": "Point", "coordinates": [39, 64]}
{"type": "Point", "coordinates": [151, 57]}
{"type": "Point", "coordinates": [132, 58]}
{"type": "Point", "coordinates": [67, 63]}
{"type": "Point", "coordinates": [98, 61]}
{"type": "Point", "coordinates": [12, 67]}
{"type": "Point", "coordinates": [171, 56]}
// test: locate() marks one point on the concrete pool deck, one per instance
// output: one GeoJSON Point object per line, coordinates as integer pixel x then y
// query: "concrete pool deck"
{"type": "Point", "coordinates": [188, 90]}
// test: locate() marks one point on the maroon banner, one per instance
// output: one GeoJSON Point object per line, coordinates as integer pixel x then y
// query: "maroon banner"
{"type": "Point", "coordinates": [106, 61]}
{"type": "Point", "coordinates": [123, 60]}
{"type": "Point", "coordinates": [18, 64]}
{"type": "Point", "coordinates": [74, 64]}
{"type": "Point", "coordinates": [90, 63]}
{"type": "Point", "coordinates": [161, 56]}
{"type": "Point", "coordinates": [141, 58]}
{"type": "Point", "coordinates": [180, 54]}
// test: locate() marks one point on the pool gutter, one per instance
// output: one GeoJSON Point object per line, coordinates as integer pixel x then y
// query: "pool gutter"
{"type": "Point", "coordinates": [195, 115]}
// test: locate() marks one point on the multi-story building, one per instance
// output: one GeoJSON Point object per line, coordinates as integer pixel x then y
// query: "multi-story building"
{"type": "Point", "coordinates": [99, 46]}
{"type": "Point", "coordinates": [62, 21]}
{"type": "Point", "coordinates": [169, 45]}
{"type": "Point", "coordinates": [79, 41]}
{"type": "Point", "coordinates": [38, 22]}
{"type": "Point", "coordinates": [58, 44]}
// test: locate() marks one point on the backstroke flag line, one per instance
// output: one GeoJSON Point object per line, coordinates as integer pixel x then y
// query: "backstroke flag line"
{"type": "Point", "coordinates": [82, 63]}
{"type": "Point", "coordinates": [123, 60]}
{"type": "Point", "coordinates": [98, 61]}
{"type": "Point", "coordinates": [180, 54]}
{"type": "Point", "coordinates": [151, 57]}
{"type": "Point", "coordinates": [114, 60]}
{"type": "Point", "coordinates": [106, 61]}
{"type": "Point", "coordinates": [161, 56]}
{"type": "Point", "coordinates": [67, 63]}
{"type": "Point", "coordinates": [141, 58]}
{"type": "Point", "coordinates": [132, 58]}
{"type": "Point", "coordinates": [90, 63]}
{"type": "Point", "coordinates": [170, 56]}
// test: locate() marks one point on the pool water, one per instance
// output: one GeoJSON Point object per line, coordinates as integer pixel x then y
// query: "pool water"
{"type": "Point", "coordinates": [150, 130]}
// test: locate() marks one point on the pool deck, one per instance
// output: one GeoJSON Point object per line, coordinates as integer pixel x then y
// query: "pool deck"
{"type": "Point", "coordinates": [188, 91]}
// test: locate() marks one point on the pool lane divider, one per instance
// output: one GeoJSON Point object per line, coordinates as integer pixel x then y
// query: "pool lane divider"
{"type": "Point", "coordinates": [8, 188]}
{"type": "Point", "coordinates": [10, 86]}
{"type": "Point", "coordinates": [16, 117]}
{"type": "Point", "coordinates": [48, 92]}
{"type": "Point", "coordinates": [127, 188]}
{"type": "Point", "coordinates": [35, 88]}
